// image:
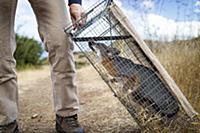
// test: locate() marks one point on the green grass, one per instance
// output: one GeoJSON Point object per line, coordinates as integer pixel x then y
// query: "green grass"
{"type": "Point", "coordinates": [80, 64]}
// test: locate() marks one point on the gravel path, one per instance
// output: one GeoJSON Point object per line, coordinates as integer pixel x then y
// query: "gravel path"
{"type": "Point", "coordinates": [100, 111]}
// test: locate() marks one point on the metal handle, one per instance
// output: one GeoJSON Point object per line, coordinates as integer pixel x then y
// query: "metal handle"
{"type": "Point", "coordinates": [70, 29]}
{"type": "Point", "coordinates": [100, 38]}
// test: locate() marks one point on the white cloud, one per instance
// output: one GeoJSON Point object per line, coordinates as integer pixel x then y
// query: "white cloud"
{"type": "Point", "coordinates": [146, 25]}
{"type": "Point", "coordinates": [165, 28]}
{"type": "Point", "coordinates": [197, 10]}
{"type": "Point", "coordinates": [197, 7]}
{"type": "Point", "coordinates": [159, 27]}
{"type": "Point", "coordinates": [119, 3]}
{"type": "Point", "coordinates": [25, 21]}
{"type": "Point", "coordinates": [197, 3]}
{"type": "Point", "coordinates": [148, 4]}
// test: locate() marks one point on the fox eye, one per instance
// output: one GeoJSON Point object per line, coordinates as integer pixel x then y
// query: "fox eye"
{"type": "Point", "coordinates": [107, 51]}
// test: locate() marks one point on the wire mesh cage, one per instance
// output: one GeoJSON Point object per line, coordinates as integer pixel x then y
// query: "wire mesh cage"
{"type": "Point", "coordinates": [131, 71]}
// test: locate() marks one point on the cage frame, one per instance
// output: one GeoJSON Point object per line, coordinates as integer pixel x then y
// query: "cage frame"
{"type": "Point", "coordinates": [168, 79]}
{"type": "Point", "coordinates": [121, 17]}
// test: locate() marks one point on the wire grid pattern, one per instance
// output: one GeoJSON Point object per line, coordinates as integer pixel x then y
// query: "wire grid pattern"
{"type": "Point", "coordinates": [129, 73]}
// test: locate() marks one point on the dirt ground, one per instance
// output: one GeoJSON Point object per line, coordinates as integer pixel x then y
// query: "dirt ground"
{"type": "Point", "coordinates": [100, 111]}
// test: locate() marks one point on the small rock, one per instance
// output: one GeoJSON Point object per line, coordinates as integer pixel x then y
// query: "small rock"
{"type": "Point", "coordinates": [82, 103]}
{"type": "Point", "coordinates": [34, 116]}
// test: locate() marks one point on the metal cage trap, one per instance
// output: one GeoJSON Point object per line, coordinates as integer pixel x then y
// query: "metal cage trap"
{"type": "Point", "coordinates": [132, 72]}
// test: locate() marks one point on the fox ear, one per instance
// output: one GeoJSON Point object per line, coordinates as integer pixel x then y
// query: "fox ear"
{"type": "Point", "coordinates": [90, 43]}
{"type": "Point", "coordinates": [117, 51]}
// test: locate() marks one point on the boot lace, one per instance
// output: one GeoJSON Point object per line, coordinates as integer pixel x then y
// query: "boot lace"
{"type": "Point", "coordinates": [72, 122]}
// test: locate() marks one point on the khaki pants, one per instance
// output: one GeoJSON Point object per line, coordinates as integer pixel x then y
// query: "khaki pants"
{"type": "Point", "coordinates": [52, 18]}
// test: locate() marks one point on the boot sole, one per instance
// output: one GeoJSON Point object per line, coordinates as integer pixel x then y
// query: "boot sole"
{"type": "Point", "coordinates": [60, 130]}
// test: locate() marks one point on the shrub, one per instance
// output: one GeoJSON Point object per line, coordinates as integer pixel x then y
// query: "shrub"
{"type": "Point", "coordinates": [28, 52]}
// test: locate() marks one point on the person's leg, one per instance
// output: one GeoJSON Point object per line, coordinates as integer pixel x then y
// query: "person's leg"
{"type": "Point", "coordinates": [52, 18]}
{"type": "Point", "coordinates": [8, 79]}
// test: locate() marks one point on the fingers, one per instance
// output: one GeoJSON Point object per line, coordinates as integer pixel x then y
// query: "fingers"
{"type": "Point", "coordinates": [78, 20]}
{"type": "Point", "coordinates": [84, 18]}
{"type": "Point", "coordinates": [78, 16]}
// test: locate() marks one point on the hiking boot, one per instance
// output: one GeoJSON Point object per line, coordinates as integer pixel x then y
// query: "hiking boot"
{"type": "Point", "coordinates": [9, 128]}
{"type": "Point", "coordinates": [68, 124]}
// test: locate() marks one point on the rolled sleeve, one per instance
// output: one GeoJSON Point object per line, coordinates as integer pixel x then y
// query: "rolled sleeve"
{"type": "Point", "coordinates": [74, 2]}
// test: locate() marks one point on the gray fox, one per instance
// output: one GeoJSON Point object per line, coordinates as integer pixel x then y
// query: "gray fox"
{"type": "Point", "coordinates": [146, 87]}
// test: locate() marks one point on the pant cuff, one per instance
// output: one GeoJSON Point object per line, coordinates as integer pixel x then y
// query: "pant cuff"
{"type": "Point", "coordinates": [66, 114]}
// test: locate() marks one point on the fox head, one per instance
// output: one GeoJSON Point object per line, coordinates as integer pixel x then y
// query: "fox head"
{"type": "Point", "coordinates": [102, 50]}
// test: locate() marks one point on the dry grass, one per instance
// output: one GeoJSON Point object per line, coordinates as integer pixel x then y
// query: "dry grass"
{"type": "Point", "coordinates": [182, 61]}
{"type": "Point", "coordinates": [100, 111]}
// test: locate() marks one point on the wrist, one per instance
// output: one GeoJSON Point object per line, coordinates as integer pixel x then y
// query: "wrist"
{"type": "Point", "coordinates": [75, 7]}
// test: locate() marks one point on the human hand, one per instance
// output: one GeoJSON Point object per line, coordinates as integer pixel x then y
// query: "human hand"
{"type": "Point", "coordinates": [77, 12]}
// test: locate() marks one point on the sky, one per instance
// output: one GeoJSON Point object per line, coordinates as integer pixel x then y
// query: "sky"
{"type": "Point", "coordinates": [155, 19]}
